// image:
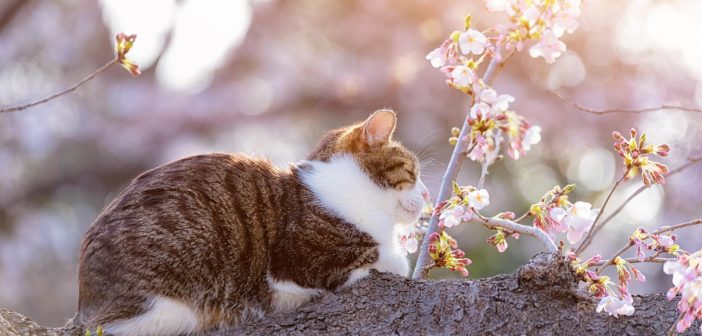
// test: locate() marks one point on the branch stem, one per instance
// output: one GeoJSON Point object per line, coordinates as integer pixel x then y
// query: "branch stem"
{"type": "Point", "coordinates": [691, 161]}
{"type": "Point", "coordinates": [625, 110]}
{"type": "Point", "coordinates": [657, 232]}
{"type": "Point", "coordinates": [60, 93]}
{"type": "Point", "coordinates": [590, 233]}
{"type": "Point", "coordinates": [457, 157]}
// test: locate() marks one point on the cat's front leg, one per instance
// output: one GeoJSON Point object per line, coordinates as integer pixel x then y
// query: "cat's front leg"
{"type": "Point", "coordinates": [392, 261]}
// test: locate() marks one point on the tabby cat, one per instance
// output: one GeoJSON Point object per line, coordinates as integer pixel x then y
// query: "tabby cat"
{"type": "Point", "coordinates": [209, 241]}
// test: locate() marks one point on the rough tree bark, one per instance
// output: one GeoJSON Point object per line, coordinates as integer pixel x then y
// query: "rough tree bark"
{"type": "Point", "coordinates": [540, 299]}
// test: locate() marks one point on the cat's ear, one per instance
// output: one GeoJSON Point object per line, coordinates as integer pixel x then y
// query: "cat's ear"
{"type": "Point", "coordinates": [379, 127]}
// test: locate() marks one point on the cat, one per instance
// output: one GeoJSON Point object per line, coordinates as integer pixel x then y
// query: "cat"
{"type": "Point", "coordinates": [212, 240]}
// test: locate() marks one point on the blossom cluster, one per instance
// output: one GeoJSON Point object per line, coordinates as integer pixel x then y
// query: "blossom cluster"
{"type": "Point", "coordinates": [445, 253]}
{"type": "Point", "coordinates": [545, 21]}
{"type": "Point", "coordinates": [458, 209]}
{"type": "Point", "coordinates": [492, 122]}
{"type": "Point", "coordinates": [499, 239]}
{"type": "Point", "coordinates": [660, 243]}
{"type": "Point", "coordinates": [460, 56]}
{"type": "Point", "coordinates": [554, 214]}
{"type": "Point", "coordinates": [687, 281]}
{"type": "Point", "coordinates": [636, 153]}
{"type": "Point", "coordinates": [124, 43]}
{"type": "Point", "coordinates": [614, 299]}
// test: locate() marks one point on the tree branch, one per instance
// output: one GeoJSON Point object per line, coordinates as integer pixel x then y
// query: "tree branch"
{"type": "Point", "coordinates": [590, 233]}
{"type": "Point", "coordinates": [457, 157]}
{"type": "Point", "coordinates": [657, 232]}
{"type": "Point", "coordinates": [62, 92]}
{"type": "Point", "coordinates": [494, 223]}
{"type": "Point", "coordinates": [624, 110]}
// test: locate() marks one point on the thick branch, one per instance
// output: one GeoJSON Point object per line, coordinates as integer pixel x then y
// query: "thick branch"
{"type": "Point", "coordinates": [540, 299]}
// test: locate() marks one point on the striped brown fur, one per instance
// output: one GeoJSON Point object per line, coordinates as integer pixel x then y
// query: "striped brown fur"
{"type": "Point", "coordinates": [208, 231]}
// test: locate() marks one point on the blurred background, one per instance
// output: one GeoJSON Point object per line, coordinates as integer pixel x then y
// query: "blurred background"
{"type": "Point", "coordinates": [269, 77]}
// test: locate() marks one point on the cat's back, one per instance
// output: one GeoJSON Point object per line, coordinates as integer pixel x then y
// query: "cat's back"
{"type": "Point", "coordinates": [190, 227]}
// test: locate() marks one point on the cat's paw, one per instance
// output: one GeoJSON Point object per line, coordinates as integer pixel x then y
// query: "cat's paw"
{"type": "Point", "coordinates": [393, 263]}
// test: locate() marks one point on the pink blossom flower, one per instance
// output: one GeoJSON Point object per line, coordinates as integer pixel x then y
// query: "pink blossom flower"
{"type": "Point", "coordinates": [455, 215]}
{"type": "Point", "coordinates": [615, 306]}
{"type": "Point", "coordinates": [549, 47]}
{"type": "Point", "coordinates": [480, 110]}
{"type": "Point", "coordinates": [463, 76]}
{"type": "Point", "coordinates": [437, 57]}
{"type": "Point", "coordinates": [687, 281]}
{"type": "Point", "coordinates": [409, 243]}
{"type": "Point", "coordinates": [580, 218]}
{"type": "Point", "coordinates": [498, 5]}
{"type": "Point", "coordinates": [472, 41]}
{"type": "Point", "coordinates": [478, 199]}
{"type": "Point", "coordinates": [532, 136]}
{"type": "Point", "coordinates": [636, 155]}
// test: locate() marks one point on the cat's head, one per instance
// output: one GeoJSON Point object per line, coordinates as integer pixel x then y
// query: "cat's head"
{"type": "Point", "coordinates": [393, 168]}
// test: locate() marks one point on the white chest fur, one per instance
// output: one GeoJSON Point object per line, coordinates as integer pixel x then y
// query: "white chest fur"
{"type": "Point", "coordinates": [344, 188]}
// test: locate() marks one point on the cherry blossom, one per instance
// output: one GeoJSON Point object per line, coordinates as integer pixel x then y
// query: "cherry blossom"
{"type": "Point", "coordinates": [454, 216]}
{"type": "Point", "coordinates": [615, 306]}
{"type": "Point", "coordinates": [480, 110]}
{"type": "Point", "coordinates": [124, 44]}
{"type": "Point", "coordinates": [636, 155]}
{"type": "Point", "coordinates": [437, 57]}
{"type": "Point", "coordinates": [463, 76]}
{"type": "Point", "coordinates": [549, 47]}
{"type": "Point", "coordinates": [579, 219]}
{"type": "Point", "coordinates": [532, 136]}
{"type": "Point", "coordinates": [472, 42]}
{"type": "Point", "coordinates": [478, 199]}
{"type": "Point", "coordinates": [444, 252]}
{"type": "Point", "coordinates": [409, 243]}
{"type": "Point", "coordinates": [687, 281]}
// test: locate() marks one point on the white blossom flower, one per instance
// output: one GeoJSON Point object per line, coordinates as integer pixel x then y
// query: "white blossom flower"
{"type": "Point", "coordinates": [498, 5]}
{"type": "Point", "coordinates": [454, 216]}
{"type": "Point", "coordinates": [615, 306]}
{"type": "Point", "coordinates": [579, 219]}
{"type": "Point", "coordinates": [478, 199]}
{"type": "Point", "coordinates": [532, 136]}
{"type": "Point", "coordinates": [463, 76]}
{"type": "Point", "coordinates": [472, 41]}
{"type": "Point", "coordinates": [501, 103]}
{"type": "Point", "coordinates": [409, 243]}
{"type": "Point", "coordinates": [437, 57]}
{"type": "Point", "coordinates": [549, 47]}
{"type": "Point", "coordinates": [479, 109]}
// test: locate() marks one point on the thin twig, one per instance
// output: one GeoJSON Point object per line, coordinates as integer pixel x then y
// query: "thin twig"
{"type": "Point", "coordinates": [633, 195]}
{"type": "Point", "coordinates": [590, 234]}
{"type": "Point", "coordinates": [677, 226]}
{"type": "Point", "coordinates": [657, 232]}
{"type": "Point", "coordinates": [494, 223]}
{"type": "Point", "coordinates": [625, 110]}
{"type": "Point", "coordinates": [62, 92]}
{"type": "Point", "coordinates": [483, 172]}
{"type": "Point", "coordinates": [520, 218]}
{"type": "Point", "coordinates": [650, 259]}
